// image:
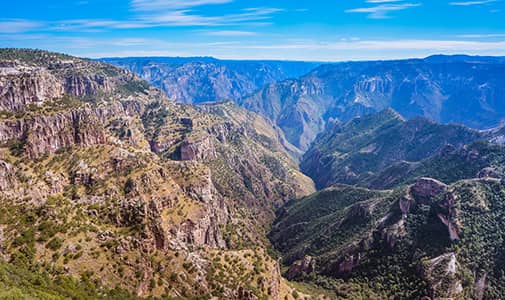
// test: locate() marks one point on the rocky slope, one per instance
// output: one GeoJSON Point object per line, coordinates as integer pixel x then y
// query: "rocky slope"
{"type": "Point", "coordinates": [479, 159]}
{"type": "Point", "coordinates": [356, 151]}
{"type": "Point", "coordinates": [435, 232]}
{"type": "Point", "coordinates": [461, 89]}
{"type": "Point", "coordinates": [203, 79]}
{"type": "Point", "coordinates": [105, 181]}
{"type": "Point", "coordinates": [427, 239]}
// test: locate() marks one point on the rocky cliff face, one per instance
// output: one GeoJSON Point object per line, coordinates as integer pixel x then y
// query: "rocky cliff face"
{"type": "Point", "coordinates": [108, 178]}
{"type": "Point", "coordinates": [246, 156]}
{"type": "Point", "coordinates": [200, 79]}
{"type": "Point", "coordinates": [432, 88]}
{"type": "Point", "coordinates": [359, 236]}
{"type": "Point", "coordinates": [28, 82]}
{"type": "Point", "coordinates": [23, 86]}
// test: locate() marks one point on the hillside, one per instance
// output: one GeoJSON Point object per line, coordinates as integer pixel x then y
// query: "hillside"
{"type": "Point", "coordinates": [203, 79]}
{"type": "Point", "coordinates": [106, 181]}
{"type": "Point", "coordinates": [447, 89]}
{"type": "Point", "coordinates": [355, 151]}
{"type": "Point", "coordinates": [423, 240]}
{"type": "Point", "coordinates": [422, 217]}
{"type": "Point", "coordinates": [479, 159]}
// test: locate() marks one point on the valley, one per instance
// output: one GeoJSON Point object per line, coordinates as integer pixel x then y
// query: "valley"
{"type": "Point", "coordinates": [359, 180]}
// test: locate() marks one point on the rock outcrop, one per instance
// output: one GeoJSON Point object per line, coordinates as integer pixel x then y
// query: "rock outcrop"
{"type": "Point", "coordinates": [438, 90]}
{"type": "Point", "coordinates": [427, 188]}
{"type": "Point", "coordinates": [305, 266]}
{"type": "Point", "coordinates": [450, 215]}
{"type": "Point", "coordinates": [22, 86]}
{"type": "Point", "coordinates": [441, 273]}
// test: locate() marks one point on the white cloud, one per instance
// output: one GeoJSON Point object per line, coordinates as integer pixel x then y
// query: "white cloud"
{"type": "Point", "coordinates": [177, 18]}
{"type": "Point", "coordinates": [18, 25]}
{"type": "Point", "coordinates": [381, 11]}
{"type": "Point", "coordinates": [472, 3]}
{"type": "Point", "coordinates": [186, 18]}
{"type": "Point", "coordinates": [482, 36]}
{"type": "Point", "coordinates": [229, 33]}
{"type": "Point", "coordinates": [382, 1]}
{"type": "Point", "coordinates": [157, 5]}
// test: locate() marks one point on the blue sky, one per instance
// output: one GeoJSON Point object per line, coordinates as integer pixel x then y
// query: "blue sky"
{"type": "Point", "coordinates": [256, 29]}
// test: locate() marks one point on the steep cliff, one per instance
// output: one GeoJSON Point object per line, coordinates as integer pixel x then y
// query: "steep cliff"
{"type": "Point", "coordinates": [203, 79]}
{"type": "Point", "coordinates": [424, 240]}
{"type": "Point", "coordinates": [467, 90]}
{"type": "Point", "coordinates": [106, 181]}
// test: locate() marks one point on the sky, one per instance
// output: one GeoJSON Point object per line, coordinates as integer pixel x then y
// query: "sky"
{"type": "Point", "coordinates": [311, 30]}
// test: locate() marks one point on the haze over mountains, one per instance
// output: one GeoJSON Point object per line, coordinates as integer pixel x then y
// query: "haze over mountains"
{"type": "Point", "coordinates": [335, 181]}
{"type": "Point", "coordinates": [203, 79]}
{"type": "Point", "coordinates": [447, 89]}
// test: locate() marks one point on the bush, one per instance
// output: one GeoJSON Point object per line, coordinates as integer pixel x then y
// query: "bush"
{"type": "Point", "coordinates": [54, 244]}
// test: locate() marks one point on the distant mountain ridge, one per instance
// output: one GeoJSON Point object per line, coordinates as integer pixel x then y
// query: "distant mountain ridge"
{"type": "Point", "coordinates": [301, 97]}
{"type": "Point", "coordinates": [203, 79]}
{"type": "Point", "coordinates": [446, 89]}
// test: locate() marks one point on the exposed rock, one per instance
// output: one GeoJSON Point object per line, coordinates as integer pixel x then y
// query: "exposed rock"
{"type": "Point", "coordinates": [55, 182]}
{"type": "Point", "coordinates": [83, 174]}
{"type": "Point", "coordinates": [394, 233]}
{"type": "Point", "coordinates": [480, 286]}
{"type": "Point", "coordinates": [105, 235]}
{"type": "Point", "coordinates": [205, 231]}
{"type": "Point", "coordinates": [360, 211]}
{"type": "Point", "coordinates": [440, 272]}
{"type": "Point", "coordinates": [200, 150]}
{"type": "Point", "coordinates": [406, 203]}
{"type": "Point", "coordinates": [2, 242]}
{"type": "Point", "coordinates": [428, 188]}
{"type": "Point", "coordinates": [450, 219]}
{"type": "Point", "coordinates": [348, 263]}
{"type": "Point", "coordinates": [21, 86]}
{"type": "Point", "coordinates": [8, 178]}
{"type": "Point", "coordinates": [245, 294]}
{"type": "Point", "coordinates": [305, 266]}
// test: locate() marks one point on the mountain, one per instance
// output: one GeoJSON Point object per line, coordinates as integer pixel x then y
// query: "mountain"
{"type": "Point", "coordinates": [447, 89]}
{"type": "Point", "coordinates": [425, 240]}
{"type": "Point", "coordinates": [108, 187]}
{"type": "Point", "coordinates": [479, 159]}
{"type": "Point", "coordinates": [409, 209]}
{"type": "Point", "coordinates": [203, 79]}
{"type": "Point", "coordinates": [356, 151]}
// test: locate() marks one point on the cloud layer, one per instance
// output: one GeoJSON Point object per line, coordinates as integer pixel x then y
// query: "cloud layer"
{"type": "Point", "coordinates": [382, 10]}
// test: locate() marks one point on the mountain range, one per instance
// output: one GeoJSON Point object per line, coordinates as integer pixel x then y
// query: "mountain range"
{"type": "Point", "coordinates": [301, 98]}
{"type": "Point", "coordinates": [334, 181]}
{"type": "Point", "coordinates": [204, 79]}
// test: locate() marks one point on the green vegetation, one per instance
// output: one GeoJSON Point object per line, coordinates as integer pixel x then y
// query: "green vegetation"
{"type": "Point", "coordinates": [350, 153]}
{"type": "Point", "coordinates": [133, 87]}
{"type": "Point", "coordinates": [38, 57]}
{"type": "Point", "coordinates": [17, 282]}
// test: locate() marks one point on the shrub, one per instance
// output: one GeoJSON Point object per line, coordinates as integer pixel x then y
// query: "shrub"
{"type": "Point", "coordinates": [54, 244]}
